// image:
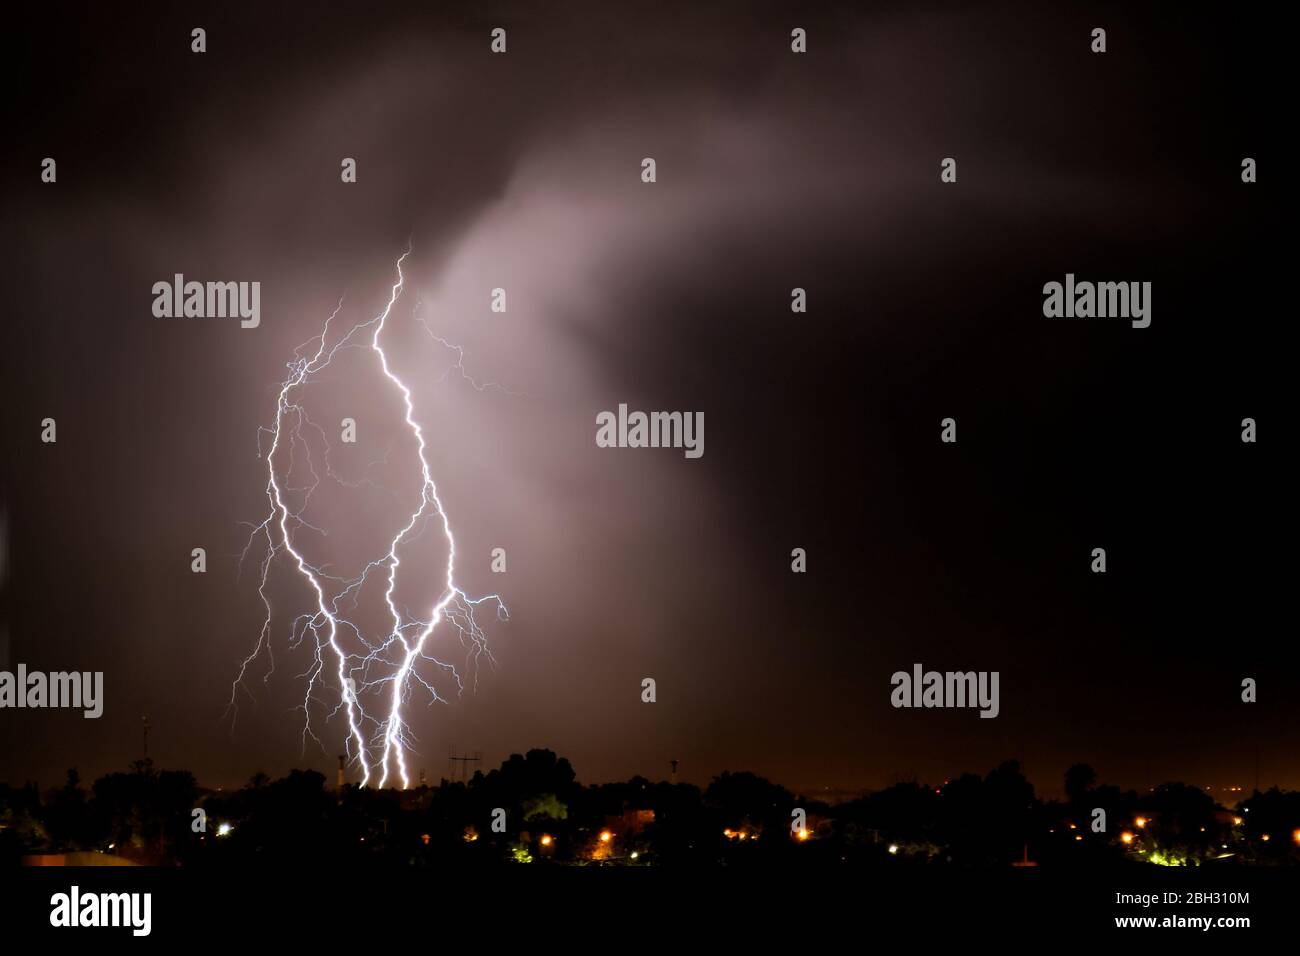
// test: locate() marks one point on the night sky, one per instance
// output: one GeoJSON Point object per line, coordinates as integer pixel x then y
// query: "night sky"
{"type": "Point", "coordinates": [774, 170]}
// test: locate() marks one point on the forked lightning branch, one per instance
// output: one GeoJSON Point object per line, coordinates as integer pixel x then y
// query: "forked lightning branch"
{"type": "Point", "coordinates": [364, 679]}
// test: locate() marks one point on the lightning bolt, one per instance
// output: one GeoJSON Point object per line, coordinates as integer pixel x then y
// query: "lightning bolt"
{"type": "Point", "coordinates": [388, 668]}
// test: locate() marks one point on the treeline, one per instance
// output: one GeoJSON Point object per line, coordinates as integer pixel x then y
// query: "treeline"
{"type": "Point", "coordinates": [532, 809]}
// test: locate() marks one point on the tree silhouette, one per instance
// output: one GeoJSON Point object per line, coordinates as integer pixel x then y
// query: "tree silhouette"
{"type": "Point", "coordinates": [1079, 779]}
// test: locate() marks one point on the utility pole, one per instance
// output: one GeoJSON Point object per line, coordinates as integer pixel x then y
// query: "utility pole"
{"type": "Point", "coordinates": [144, 722]}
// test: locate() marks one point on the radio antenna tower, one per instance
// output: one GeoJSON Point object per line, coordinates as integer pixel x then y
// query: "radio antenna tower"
{"type": "Point", "coordinates": [458, 764]}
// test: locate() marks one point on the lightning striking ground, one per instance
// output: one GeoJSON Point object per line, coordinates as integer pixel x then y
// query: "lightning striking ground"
{"type": "Point", "coordinates": [387, 666]}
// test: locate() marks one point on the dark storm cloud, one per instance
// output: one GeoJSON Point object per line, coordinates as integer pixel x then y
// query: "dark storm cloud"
{"type": "Point", "coordinates": [774, 171]}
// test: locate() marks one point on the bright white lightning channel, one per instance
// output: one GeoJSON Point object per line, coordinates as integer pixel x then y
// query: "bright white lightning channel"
{"type": "Point", "coordinates": [377, 739]}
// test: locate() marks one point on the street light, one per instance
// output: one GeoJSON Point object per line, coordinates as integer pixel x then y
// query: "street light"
{"type": "Point", "coordinates": [606, 836]}
{"type": "Point", "coordinates": [1126, 837]}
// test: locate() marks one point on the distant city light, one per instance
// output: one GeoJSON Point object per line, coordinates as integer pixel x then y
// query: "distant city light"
{"type": "Point", "coordinates": [606, 836]}
{"type": "Point", "coordinates": [1141, 822]}
{"type": "Point", "coordinates": [224, 829]}
{"type": "Point", "coordinates": [634, 855]}
{"type": "Point", "coordinates": [546, 839]}
{"type": "Point", "coordinates": [802, 834]}
{"type": "Point", "coordinates": [1126, 837]}
{"type": "Point", "coordinates": [893, 848]}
